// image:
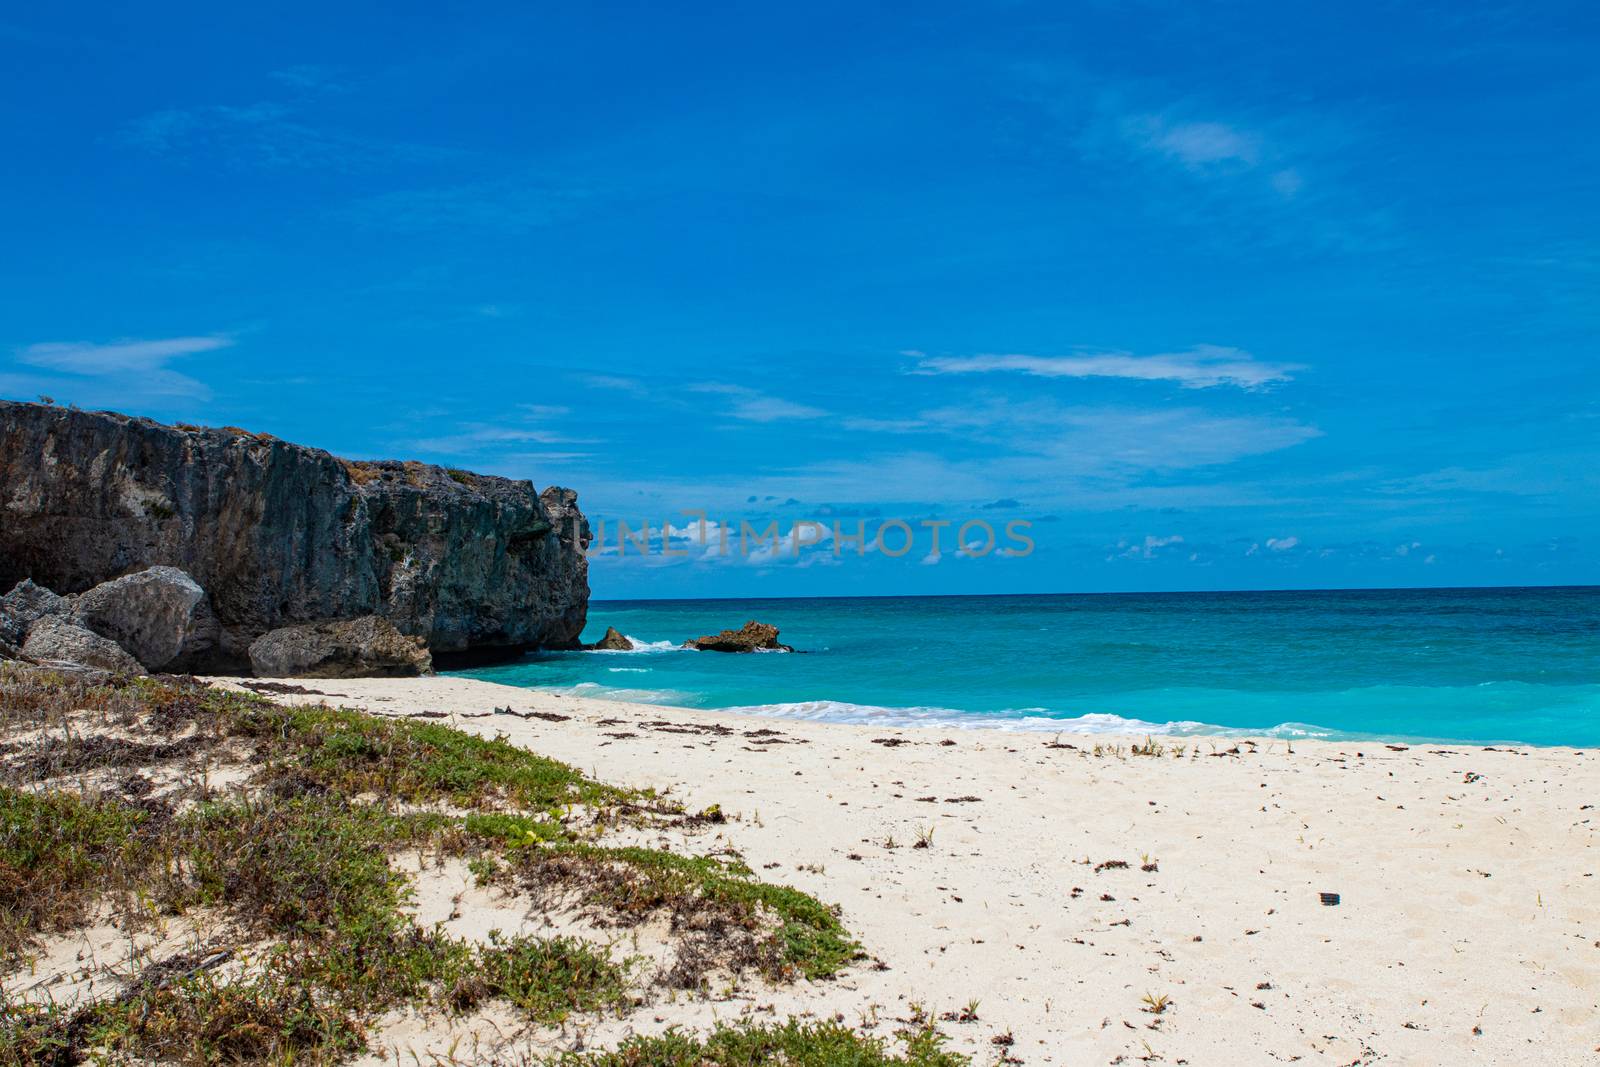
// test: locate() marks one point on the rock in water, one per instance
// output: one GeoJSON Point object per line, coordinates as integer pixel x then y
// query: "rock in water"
{"type": "Point", "coordinates": [58, 639]}
{"type": "Point", "coordinates": [751, 637]}
{"type": "Point", "coordinates": [614, 641]}
{"type": "Point", "coordinates": [279, 534]}
{"type": "Point", "coordinates": [160, 615]}
{"type": "Point", "coordinates": [347, 648]}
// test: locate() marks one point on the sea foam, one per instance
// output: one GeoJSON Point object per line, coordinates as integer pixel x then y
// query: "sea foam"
{"type": "Point", "coordinates": [1014, 720]}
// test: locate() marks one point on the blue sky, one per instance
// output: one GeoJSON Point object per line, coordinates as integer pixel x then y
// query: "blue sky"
{"type": "Point", "coordinates": [1217, 296]}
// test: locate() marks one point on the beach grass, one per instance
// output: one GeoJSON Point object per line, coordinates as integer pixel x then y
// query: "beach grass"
{"type": "Point", "coordinates": [299, 855]}
{"type": "Point", "coordinates": [794, 1043]}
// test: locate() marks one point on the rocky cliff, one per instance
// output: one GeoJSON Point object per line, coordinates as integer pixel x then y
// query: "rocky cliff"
{"type": "Point", "coordinates": [279, 534]}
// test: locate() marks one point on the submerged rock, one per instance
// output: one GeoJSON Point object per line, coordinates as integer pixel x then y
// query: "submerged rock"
{"type": "Point", "coordinates": [367, 647]}
{"type": "Point", "coordinates": [57, 639]}
{"type": "Point", "coordinates": [614, 641]}
{"type": "Point", "coordinates": [751, 637]}
{"type": "Point", "coordinates": [160, 615]}
{"type": "Point", "coordinates": [279, 534]}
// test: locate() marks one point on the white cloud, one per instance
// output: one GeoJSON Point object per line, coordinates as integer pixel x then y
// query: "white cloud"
{"type": "Point", "coordinates": [138, 366]}
{"type": "Point", "coordinates": [1045, 453]}
{"type": "Point", "coordinates": [1196, 144]}
{"type": "Point", "coordinates": [81, 357]}
{"type": "Point", "coordinates": [710, 542]}
{"type": "Point", "coordinates": [1214, 150]}
{"type": "Point", "coordinates": [773, 409]}
{"type": "Point", "coordinates": [615, 383]}
{"type": "Point", "coordinates": [1150, 547]}
{"type": "Point", "coordinates": [868, 425]}
{"type": "Point", "coordinates": [477, 437]}
{"type": "Point", "coordinates": [1201, 367]}
{"type": "Point", "coordinates": [1282, 544]}
{"type": "Point", "coordinates": [754, 406]}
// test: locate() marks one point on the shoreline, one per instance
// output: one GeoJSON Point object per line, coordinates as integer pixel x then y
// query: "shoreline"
{"type": "Point", "coordinates": [999, 722]}
{"type": "Point", "coordinates": [1066, 880]}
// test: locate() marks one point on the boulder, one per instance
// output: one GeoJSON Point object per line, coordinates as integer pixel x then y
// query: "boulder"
{"type": "Point", "coordinates": [160, 615]}
{"type": "Point", "coordinates": [366, 647]}
{"type": "Point", "coordinates": [614, 641]}
{"type": "Point", "coordinates": [25, 605]}
{"type": "Point", "coordinates": [751, 637]}
{"type": "Point", "coordinates": [57, 639]}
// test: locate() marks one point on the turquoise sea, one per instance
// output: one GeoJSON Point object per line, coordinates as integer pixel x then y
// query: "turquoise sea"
{"type": "Point", "coordinates": [1507, 665]}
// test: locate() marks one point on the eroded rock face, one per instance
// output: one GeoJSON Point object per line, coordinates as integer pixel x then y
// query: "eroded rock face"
{"type": "Point", "coordinates": [58, 639]}
{"type": "Point", "coordinates": [161, 616]}
{"type": "Point", "coordinates": [278, 534]}
{"type": "Point", "coordinates": [367, 647]}
{"type": "Point", "coordinates": [751, 637]}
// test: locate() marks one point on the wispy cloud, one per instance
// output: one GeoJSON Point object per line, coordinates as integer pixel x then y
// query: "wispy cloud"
{"type": "Point", "coordinates": [266, 133]}
{"type": "Point", "coordinates": [873, 425]}
{"type": "Point", "coordinates": [82, 357]}
{"type": "Point", "coordinates": [494, 439]}
{"type": "Point", "coordinates": [312, 78]}
{"type": "Point", "coordinates": [478, 438]}
{"type": "Point", "coordinates": [1195, 144]}
{"type": "Point", "coordinates": [615, 383]}
{"type": "Point", "coordinates": [1201, 367]}
{"type": "Point", "coordinates": [1234, 172]}
{"type": "Point", "coordinates": [751, 405]}
{"type": "Point", "coordinates": [1211, 148]}
{"type": "Point", "coordinates": [139, 366]}
{"type": "Point", "coordinates": [1045, 453]}
{"type": "Point", "coordinates": [507, 206]}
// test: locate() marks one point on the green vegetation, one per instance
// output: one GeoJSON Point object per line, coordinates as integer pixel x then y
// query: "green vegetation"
{"type": "Point", "coordinates": [418, 762]}
{"type": "Point", "coordinates": [57, 851]}
{"type": "Point", "coordinates": [298, 857]}
{"type": "Point", "coordinates": [794, 1044]}
{"type": "Point", "coordinates": [546, 978]}
{"type": "Point", "coordinates": [700, 892]}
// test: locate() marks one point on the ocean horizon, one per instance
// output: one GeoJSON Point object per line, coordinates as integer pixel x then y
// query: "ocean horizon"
{"type": "Point", "coordinates": [1466, 664]}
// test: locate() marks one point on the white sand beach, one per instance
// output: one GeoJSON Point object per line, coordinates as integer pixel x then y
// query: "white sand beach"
{"type": "Point", "coordinates": [1070, 885]}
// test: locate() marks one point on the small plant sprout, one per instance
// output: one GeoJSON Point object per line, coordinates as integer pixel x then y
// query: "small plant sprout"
{"type": "Point", "coordinates": [1156, 1005]}
{"type": "Point", "coordinates": [924, 836]}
